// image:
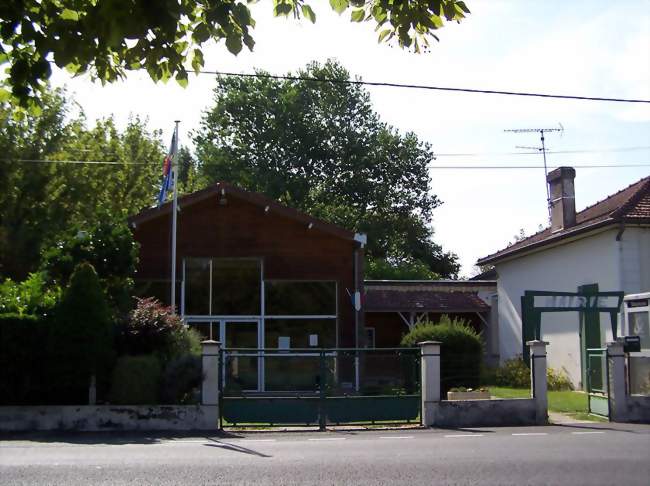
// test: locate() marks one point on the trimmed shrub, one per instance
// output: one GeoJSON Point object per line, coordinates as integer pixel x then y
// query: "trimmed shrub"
{"type": "Point", "coordinates": [82, 337]}
{"type": "Point", "coordinates": [461, 352]}
{"type": "Point", "coordinates": [135, 380]}
{"type": "Point", "coordinates": [153, 328]}
{"type": "Point", "coordinates": [181, 380]}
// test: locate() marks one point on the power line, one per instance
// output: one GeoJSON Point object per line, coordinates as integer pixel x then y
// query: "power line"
{"type": "Point", "coordinates": [431, 166]}
{"type": "Point", "coordinates": [421, 86]}
{"type": "Point", "coordinates": [577, 151]}
{"type": "Point", "coordinates": [588, 166]}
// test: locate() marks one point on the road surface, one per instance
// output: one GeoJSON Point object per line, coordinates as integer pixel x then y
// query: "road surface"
{"type": "Point", "coordinates": [575, 454]}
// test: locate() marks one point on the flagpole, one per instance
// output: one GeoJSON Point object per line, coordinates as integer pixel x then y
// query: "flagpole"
{"type": "Point", "coordinates": [174, 215]}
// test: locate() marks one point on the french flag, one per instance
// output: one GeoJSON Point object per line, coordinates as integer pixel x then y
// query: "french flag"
{"type": "Point", "coordinates": [168, 173]}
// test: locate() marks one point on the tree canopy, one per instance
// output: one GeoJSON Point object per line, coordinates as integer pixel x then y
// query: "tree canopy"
{"type": "Point", "coordinates": [40, 201]}
{"type": "Point", "coordinates": [321, 147]}
{"type": "Point", "coordinates": [165, 37]}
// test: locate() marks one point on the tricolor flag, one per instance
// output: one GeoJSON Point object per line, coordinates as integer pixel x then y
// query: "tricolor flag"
{"type": "Point", "coordinates": [168, 172]}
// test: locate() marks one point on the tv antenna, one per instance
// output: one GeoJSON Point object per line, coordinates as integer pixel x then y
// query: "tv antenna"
{"type": "Point", "coordinates": [541, 149]}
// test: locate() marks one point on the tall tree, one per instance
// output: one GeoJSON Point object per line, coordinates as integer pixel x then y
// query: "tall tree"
{"type": "Point", "coordinates": [322, 148]}
{"type": "Point", "coordinates": [39, 200]}
{"type": "Point", "coordinates": [107, 38]}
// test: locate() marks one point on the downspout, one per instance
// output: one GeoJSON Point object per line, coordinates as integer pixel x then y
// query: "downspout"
{"type": "Point", "coordinates": [619, 248]}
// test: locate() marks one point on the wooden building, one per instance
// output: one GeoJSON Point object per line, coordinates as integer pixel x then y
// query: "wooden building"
{"type": "Point", "coordinates": [253, 273]}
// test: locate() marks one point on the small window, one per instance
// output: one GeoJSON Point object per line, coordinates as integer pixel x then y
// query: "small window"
{"type": "Point", "coordinates": [370, 337]}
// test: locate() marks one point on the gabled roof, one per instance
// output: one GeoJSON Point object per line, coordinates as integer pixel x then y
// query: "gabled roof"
{"type": "Point", "coordinates": [628, 206]}
{"type": "Point", "coordinates": [224, 188]}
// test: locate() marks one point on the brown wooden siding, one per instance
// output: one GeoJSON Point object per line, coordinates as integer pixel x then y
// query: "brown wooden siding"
{"type": "Point", "coordinates": [288, 249]}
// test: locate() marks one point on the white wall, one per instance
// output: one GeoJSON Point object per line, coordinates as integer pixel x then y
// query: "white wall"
{"type": "Point", "coordinates": [635, 260]}
{"type": "Point", "coordinates": [594, 259]}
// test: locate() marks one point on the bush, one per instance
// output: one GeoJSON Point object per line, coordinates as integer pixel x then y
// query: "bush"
{"type": "Point", "coordinates": [153, 328]}
{"type": "Point", "coordinates": [82, 336]}
{"type": "Point", "coordinates": [135, 380]}
{"type": "Point", "coordinates": [461, 352]}
{"type": "Point", "coordinates": [515, 374]}
{"type": "Point", "coordinates": [30, 296]}
{"type": "Point", "coordinates": [181, 380]}
{"type": "Point", "coordinates": [558, 380]}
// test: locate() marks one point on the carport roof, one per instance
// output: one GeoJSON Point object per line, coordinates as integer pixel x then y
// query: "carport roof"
{"type": "Point", "coordinates": [422, 300]}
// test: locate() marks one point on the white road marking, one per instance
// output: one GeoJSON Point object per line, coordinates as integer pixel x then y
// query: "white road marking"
{"type": "Point", "coordinates": [330, 438]}
{"type": "Point", "coordinates": [588, 432]}
{"type": "Point", "coordinates": [532, 433]}
{"type": "Point", "coordinates": [464, 435]}
{"type": "Point", "coordinates": [397, 437]}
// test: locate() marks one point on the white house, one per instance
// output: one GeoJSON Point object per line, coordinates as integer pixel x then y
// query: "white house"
{"type": "Point", "coordinates": [607, 244]}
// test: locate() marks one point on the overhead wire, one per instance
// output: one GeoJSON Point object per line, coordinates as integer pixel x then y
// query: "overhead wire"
{"type": "Point", "coordinates": [421, 87]}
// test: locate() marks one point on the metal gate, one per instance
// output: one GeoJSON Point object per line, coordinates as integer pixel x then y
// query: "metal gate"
{"type": "Point", "coordinates": [598, 381]}
{"type": "Point", "coordinates": [317, 387]}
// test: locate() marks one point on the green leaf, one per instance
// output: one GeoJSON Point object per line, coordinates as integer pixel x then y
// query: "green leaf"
{"type": "Point", "coordinates": [308, 13]}
{"type": "Point", "coordinates": [358, 15]}
{"type": "Point", "coordinates": [5, 95]}
{"type": "Point", "coordinates": [339, 6]}
{"type": "Point", "coordinates": [234, 44]}
{"type": "Point", "coordinates": [181, 78]}
{"type": "Point", "coordinates": [68, 14]}
{"type": "Point", "coordinates": [383, 34]}
{"type": "Point", "coordinates": [201, 33]}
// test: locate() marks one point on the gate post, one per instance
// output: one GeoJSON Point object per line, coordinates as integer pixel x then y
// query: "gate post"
{"type": "Point", "coordinates": [430, 380]}
{"type": "Point", "coordinates": [616, 390]}
{"type": "Point", "coordinates": [210, 384]}
{"type": "Point", "coordinates": [538, 379]}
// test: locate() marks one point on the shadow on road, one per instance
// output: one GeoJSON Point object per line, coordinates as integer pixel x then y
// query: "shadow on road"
{"type": "Point", "coordinates": [111, 438]}
{"type": "Point", "coordinates": [233, 447]}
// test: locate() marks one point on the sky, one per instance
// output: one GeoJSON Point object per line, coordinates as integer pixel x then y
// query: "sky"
{"type": "Point", "coordinates": [590, 48]}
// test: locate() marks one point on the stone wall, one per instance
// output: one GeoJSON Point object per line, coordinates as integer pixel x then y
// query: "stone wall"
{"type": "Point", "coordinates": [638, 409]}
{"type": "Point", "coordinates": [485, 413]}
{"type": "Point", "coordinates": [93, 418]}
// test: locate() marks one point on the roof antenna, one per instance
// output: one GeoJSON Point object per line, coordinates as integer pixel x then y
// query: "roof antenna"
{"type": "Point", "coordinates": [541, 149]}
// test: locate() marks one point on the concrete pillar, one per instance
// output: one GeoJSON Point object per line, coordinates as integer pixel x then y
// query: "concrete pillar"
{"type": "Point", "coordinates": [430, 379]}
{"type": "Point", "coordinates": [616, 382]}
{"type": "Point", "coordinates": [538, 379]}
{"type": "Point", "coordinates": [210, 362]}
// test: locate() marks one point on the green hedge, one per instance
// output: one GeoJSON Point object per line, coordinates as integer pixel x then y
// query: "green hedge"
{"type": "Point", "coordinates": [461, 351]}
{"type": "Point", "coordinates": [24, 359]}
{"type": "Point", "coordinates": [135, 380]}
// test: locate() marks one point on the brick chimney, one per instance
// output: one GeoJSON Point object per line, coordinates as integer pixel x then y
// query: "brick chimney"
{"type": "Point", "coordinates": [563, 203]}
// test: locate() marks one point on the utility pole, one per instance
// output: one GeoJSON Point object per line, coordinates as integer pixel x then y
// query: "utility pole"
{"type": "Point", "coordinates": [541, 149]}
{"type": "Point", "coordinates": [174, 216]}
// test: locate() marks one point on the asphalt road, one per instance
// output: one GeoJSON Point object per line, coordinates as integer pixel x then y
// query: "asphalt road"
{"type": "Point", "coordinates": [575, 454]}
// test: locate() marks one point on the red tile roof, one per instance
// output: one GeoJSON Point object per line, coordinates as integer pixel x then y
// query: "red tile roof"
{"type": "Point", "coordinates": [408, 300]}
{"type": "Point", "coordinates": [630, 205]}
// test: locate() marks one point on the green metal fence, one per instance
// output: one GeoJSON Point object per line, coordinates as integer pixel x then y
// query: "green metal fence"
{"type": "Point", "coordinates": [597, 381]}
{"type": "Point", "coordinates": [308, 387]}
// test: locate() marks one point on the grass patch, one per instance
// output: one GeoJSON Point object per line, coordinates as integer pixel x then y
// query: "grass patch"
{"type": "Point", "coordinates": [572, 403]}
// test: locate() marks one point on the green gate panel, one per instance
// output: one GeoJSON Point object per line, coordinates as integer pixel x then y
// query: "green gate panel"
{"type": "Point", "coordinates": [270, 410]}
{"type": "Point", "coordinates": [589, 329]}
{"type": "Point", "coordinates": [381, 408]}
{"type": "Point", "coordinates": [599, 405]}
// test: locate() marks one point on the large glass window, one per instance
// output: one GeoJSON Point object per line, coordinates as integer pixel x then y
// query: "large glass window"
{"type": "Point", "coordinates": [299, 298]}
{"type": "Point", "coordinates": [300, 333]}
{"type": "Point", "coordinates": [236, 287]}
{"type": "Point", "coordinates": [197, 286]}
{"type": "Point", "coordinates": [222, 286]}
{"type": "Point", "coordinates": [639, 323]}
